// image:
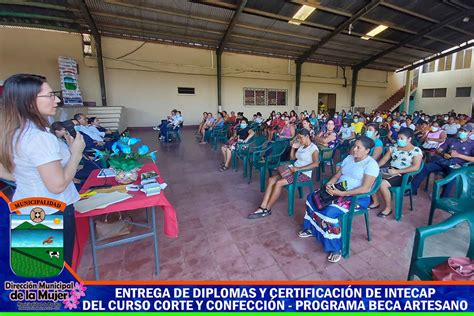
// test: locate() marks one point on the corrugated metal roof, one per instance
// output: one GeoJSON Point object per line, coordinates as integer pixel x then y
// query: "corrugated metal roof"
{"type": "Point", "coordinates": [262, 28]}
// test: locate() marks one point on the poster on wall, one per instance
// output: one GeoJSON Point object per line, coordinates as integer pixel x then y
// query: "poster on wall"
{"type": "Point", "coordinates": [69, 81]}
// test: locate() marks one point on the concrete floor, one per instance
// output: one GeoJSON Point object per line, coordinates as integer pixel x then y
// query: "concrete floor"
{"type": "Point", "coordinates": [217, 242]}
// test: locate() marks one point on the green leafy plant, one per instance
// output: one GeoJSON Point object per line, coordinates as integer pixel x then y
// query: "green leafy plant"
{"type": "Point", "coordinates": [122, 155]}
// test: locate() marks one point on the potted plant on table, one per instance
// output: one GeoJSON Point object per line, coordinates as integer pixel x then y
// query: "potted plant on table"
{"type": "Point", "coordinates": [124, 160]}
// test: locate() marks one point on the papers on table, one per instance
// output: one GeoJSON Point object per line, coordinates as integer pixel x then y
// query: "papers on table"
{"type": "Point", "coordinates": [100, 200]}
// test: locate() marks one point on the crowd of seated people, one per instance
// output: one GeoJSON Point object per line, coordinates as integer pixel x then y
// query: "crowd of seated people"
{"type": "Point", "coordinates": [390, 144]}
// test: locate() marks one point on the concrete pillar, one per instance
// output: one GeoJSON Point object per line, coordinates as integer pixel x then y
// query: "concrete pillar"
{"type": "Point", "coordinates": [408, 78]}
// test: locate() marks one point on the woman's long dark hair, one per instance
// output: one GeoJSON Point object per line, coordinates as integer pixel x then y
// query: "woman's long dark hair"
{"type": "Point", "coordinates": [19, 107]}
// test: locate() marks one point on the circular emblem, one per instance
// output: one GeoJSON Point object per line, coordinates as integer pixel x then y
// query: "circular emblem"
{"type": "Point", "coordinates": [37, 215]}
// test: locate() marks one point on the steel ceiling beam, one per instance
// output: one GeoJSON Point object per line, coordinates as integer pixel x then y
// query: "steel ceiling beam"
{"type": "Point", "coordinates": [423, 17]}
{"type": "Point", "coordinates": [366, 9]}
{"type": "Point", "coordinates": [368, 20]}
{"type": "Point", "coordinates": [451, 19]}
{"type": "Point", "coordinates": [100, 61]}
{"type": "Point", "coordinates": [305, 23]}
{"type": "Point", "coordinates": [231, 26]}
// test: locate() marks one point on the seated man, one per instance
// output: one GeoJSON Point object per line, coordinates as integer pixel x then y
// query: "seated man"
{"type": "Point", "coordinates": [106, 133]}
{"type": "Point", "coordinates": [452, 155]}
{"type": "Point", "coordinates": [165, 124]}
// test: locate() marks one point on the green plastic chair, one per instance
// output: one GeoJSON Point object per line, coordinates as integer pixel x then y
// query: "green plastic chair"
{"type": "Point", "coordinates": [441, 173]}
{"type": "Point", "coordinates": [399, 192]}
{"type": "Point", "coordinates": [325, 155]}
{"type": "Point", "coordinates": [218, 135]}
{"type": "Point", "coordinates": [242, 151]}
{"type": "Point", "coordinates": [422, 266]}
{"type": "Point", "coordinates": [266, 163]}
{"type": "Point", "coordinates": [346, 219]}
{"type": "Point", "coordinates": [297, 185]}
{"type": "Point", "coordinates": [464, 197]}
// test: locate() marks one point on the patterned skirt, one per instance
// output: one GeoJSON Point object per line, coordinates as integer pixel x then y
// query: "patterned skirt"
{"type": "Point", "coordinates": [324, 224]}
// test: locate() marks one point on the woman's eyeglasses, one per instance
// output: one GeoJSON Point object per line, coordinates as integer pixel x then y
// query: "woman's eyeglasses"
{"type": "Point", "coordinates": [52, 94]}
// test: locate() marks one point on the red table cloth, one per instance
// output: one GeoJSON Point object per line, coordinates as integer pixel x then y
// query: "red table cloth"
{"type": "Point", "coordinates": [138, 201]}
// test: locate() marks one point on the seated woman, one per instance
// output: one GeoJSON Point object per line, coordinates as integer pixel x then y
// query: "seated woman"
{"type": "Point", "coordinates": [243, 134]}
{"type": "Point", "coordinates": [307, 157]}
{"type": "Point", "coordinates": [306, 124]}
{"type": "Point", "coordinates": [404, 157]}
{"type": "Point", "coordinates": [372, 132]}
{"type": "Point", "coordinates": [434, 138]}
{"type": "Point", "coordinates": [207, 126]}
{"type": "Point", "coordinates": [276, 124]}
{"type": "Point", "coordinates": [203, 122]}
{"type": "Point", "coordinates": [346, 133]}
{"type": "Point", "coordinates": [288, 130]}
{"type": "Point", "coordinates": [394, 130]}
{"type": "Point", "coordinates": [313, 119]}
{"type": "Point", "coordinates": [357, 174]}
{"type": "Point", "coordinates": [327, 139]}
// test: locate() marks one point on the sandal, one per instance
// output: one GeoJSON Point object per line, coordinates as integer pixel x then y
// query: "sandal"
{"type": "Point", "coordinates": [334, 257]}
{"type": "Point", "coordinates": [383, 215]}
{"type": "Point", "coordinates": [223, 168]}
{"type": "Point", "coordinates": [260, 212]}
{"type": "Point", "coordinates": [372, 207]}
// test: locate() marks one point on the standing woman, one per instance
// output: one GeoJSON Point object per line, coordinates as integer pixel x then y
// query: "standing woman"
{"type": "Point", "coordinates": [34, 156]}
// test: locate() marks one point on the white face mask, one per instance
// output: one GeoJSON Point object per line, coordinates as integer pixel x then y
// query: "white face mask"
{"type": "Point", "coordinates": [434, 128]}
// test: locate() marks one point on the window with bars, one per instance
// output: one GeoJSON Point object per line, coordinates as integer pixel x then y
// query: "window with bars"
{"type": "Point", "coordinates": [270, 97]}
{"type": "Point", "coordinates": [463, 59]}
{"type": "Point", "coordinates": [186, 90]}
{"type": "Point", "coordinates": [434, 93]}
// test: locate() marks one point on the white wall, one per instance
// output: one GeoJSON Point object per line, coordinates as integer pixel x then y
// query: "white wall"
{"type": "Point", "coordinates": [449, 79]}
{"type": "Point", "coordinates": [146, 81]}
{"type": "Point", "coordinates": [32, 51]}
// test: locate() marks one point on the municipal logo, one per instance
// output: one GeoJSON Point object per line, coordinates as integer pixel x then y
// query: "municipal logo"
{"type": "Point", "coordinates": [36, 243]}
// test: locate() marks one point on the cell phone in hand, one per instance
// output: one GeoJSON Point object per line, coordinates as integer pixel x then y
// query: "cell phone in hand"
{"type": "Point", "coordinates": [69, 126]}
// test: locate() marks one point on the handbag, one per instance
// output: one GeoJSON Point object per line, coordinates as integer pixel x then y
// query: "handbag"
{"type": "Point", "coordinates": [113, 227]}
{"type": "Point", "coordinates": [321, 198]}
{"type": "Point", "coordinates": [455, 269]}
